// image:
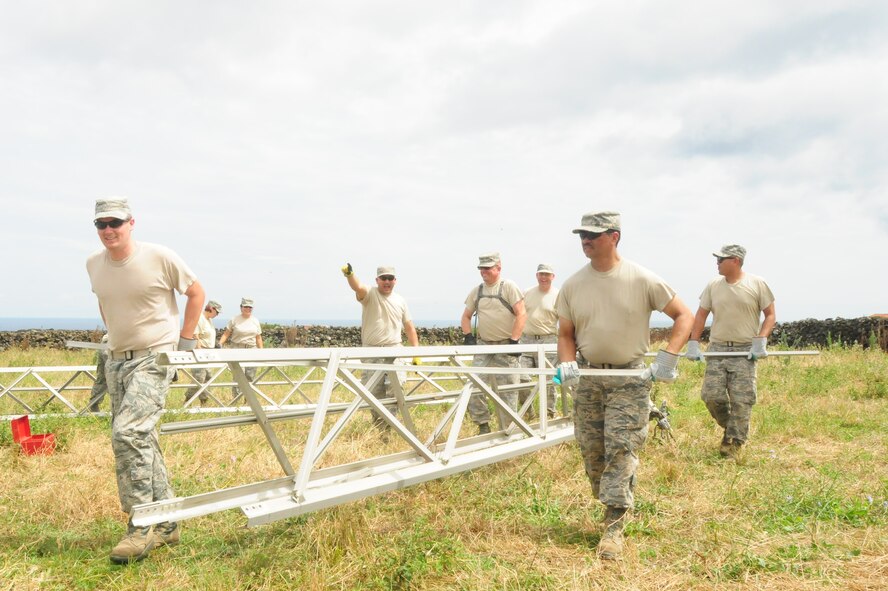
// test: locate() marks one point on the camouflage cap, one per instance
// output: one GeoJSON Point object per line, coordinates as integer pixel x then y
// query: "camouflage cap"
{"type": "Point", "coordinates": [491, 259]}
{"type": "Point", "coordinates": [600, 221]}
{"type": "Point", "coordinates": [113, 208]}
{"type": "Point", "coordinates": [214, 305]}
{"type": "Point", "coordinates": [380, 271]}
{"type": "Point", "coordinates": [731, 250]}
{"type": "Point", "coordinates": [247, 302]}
{"type": "Point", "coordinates": [544, 268]}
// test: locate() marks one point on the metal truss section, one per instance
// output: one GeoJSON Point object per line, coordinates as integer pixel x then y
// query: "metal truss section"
{"type": "Point", "coordinates": [435, 447]}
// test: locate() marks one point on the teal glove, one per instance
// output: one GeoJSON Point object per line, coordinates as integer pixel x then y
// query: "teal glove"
{"type": "Point", "coordinates": [568, 374]}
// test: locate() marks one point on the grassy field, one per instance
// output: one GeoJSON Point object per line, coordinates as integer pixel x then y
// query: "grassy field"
{"type": "Point", "coordinates": [805, 506]}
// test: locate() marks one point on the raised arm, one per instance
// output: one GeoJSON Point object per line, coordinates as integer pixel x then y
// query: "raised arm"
{"type": "Point", "coordinates": [359, 288]}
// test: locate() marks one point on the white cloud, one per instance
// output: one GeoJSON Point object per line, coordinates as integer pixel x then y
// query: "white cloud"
{"type": "Point", "coordinates": [270, 144]}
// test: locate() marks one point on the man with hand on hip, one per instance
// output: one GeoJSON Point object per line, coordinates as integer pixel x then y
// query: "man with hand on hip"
{"type": "Point", "coordinates": [499, 308]}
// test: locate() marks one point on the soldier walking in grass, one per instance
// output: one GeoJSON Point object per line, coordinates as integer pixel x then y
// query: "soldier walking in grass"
{"type": "Point", "coordinates": [205, 334]}
{"type": "Point", "coordinates": [737, 301]}
{"type": "Point", "coordinates": [498, 306]}
{"type": "Point", "coordinates": [384, 314]}
{"type": "Point", "coordinates": [541, 326]}
{"type": "Point", "coordinates": [604, 314]}
{"type": "Point", "coordinates": [136, 285]}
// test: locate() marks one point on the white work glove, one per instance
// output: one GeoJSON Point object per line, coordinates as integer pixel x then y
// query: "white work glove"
{"type": "Point", "coordinates": [186, 344]}
{"type": "Point", "coordinates": [568, 374]}
{"type": "Point", "coordinates": [693, 352]}
{"type": "Point", "coordinates": [759, 350]}
{"type": "Point", "coordinates": [663, 369]}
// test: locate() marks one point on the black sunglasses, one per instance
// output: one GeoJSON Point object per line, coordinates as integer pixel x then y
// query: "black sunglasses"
{"type": "Point", "coordinates": [100, 225]}
{"type": "Point", "coordinates": [723, 259]}
{"type": "Point", "coordinates": [387, 277]}
{"type": "Point", "coordinates": [590, 235]}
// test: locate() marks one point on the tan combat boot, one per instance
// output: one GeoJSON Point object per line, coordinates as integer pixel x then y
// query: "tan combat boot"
{"type": "Point", "coordinates": [167, 533]}
{"type": "Point", "coordinates": [611, 545]}
{"type": "Point", "coordinates": [729, 448]}
{"type": "Point", "coordinates": [135, 546]}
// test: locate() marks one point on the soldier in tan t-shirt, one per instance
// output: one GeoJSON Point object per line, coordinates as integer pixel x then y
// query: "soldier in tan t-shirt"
{"type": "Point", "coordinates": [498, 306]}
{"type": "Point", "coordinates": [384, 314]}
{"type": "Point", "coordinates": [136, 285]}
{"type": "Point", "coordinates": [206, 339]}
{"type": "Point", "coordinates": [737, 301]}
{"type": "Point", "coordinates": [245, 332]}
{"type": "Point", "coordinates": [541, 328]}
{"type": "Point", "coordinates": [604, 314]}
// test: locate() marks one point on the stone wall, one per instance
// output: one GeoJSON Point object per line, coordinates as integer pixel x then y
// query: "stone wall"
{"type": "Point", "coordinates": [803, 333]}
{"type": "Point", "coordinates": [818, 333]}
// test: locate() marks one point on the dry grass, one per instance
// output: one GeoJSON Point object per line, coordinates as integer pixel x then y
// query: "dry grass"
{"type": "Point", "coordinates": [804, 507]}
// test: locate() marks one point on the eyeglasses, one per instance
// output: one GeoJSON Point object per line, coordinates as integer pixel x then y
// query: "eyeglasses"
{"type": "Point", "coordinates": [590, 235]}
{"type": "Point", "coordinates": [247, 307]}
{"type": "Point", "coordinates": [100, 225]}
{"type": "Point", "coordinates": [386, 277]}
{"type": "Point", "coordinates": [720, 260]}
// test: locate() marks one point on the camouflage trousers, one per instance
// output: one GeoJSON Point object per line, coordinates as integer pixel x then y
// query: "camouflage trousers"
{"type": "Point", "coordinates": [249, 371]}
{"type": "Point", "coordinates": [383, 387]}
{"type": "Point", "coordinates": [201, 376]}
{"type": "Point", "coordinates": [529, 361]}
{"type": "Point", "coordinates": [611, 427]}
{"type": "Point", "coordinates": [138, 390]}
{"type": "Point", "coordinates": [729, 391]}
{"type": "Point", "coordinates": [478, 409]}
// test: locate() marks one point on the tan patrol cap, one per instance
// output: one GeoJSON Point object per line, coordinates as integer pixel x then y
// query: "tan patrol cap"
{"type": "Point", "coordinates": [491, 259]}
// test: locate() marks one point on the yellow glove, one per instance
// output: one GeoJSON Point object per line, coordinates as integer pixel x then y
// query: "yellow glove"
{"type": "Point", "coordinates": [417, 361]}
{"type": "Point", "coordinates": [347, 270]}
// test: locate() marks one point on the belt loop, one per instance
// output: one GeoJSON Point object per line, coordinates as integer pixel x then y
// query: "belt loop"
{"type": "Point", "coordinates": [128, 355]}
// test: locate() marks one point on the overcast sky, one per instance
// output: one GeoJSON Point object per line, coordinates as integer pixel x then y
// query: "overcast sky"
{"type": "Point", "coordinates": [268, 143]}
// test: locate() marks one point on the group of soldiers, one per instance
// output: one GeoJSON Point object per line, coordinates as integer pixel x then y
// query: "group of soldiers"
{"type": "Point", "coordinates": [600, 319]}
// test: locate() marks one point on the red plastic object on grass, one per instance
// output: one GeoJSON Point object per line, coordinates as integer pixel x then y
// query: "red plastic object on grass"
{"type": "Point", "coordinates": [42, 443]}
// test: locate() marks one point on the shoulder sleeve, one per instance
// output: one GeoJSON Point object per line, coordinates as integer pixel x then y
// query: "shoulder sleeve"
{"type": "Point", "coordinates": [766, 297]}
{"type": "Point", "coordinates": [706, 297]}
{"type": "Point", "coordinates": [512, 292]}
{"type": "Point", "coordinates": [562, 305]}
{"type": "Point", "coordinates": [470, 299]}
{"type": "Point", "coordinates": [180, 275]}
{"type": "Point", "coordinates": [659, 292]}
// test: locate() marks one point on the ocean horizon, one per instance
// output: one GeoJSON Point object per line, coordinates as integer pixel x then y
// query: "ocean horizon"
{"type": "Point", "coordinates": [35, 323]}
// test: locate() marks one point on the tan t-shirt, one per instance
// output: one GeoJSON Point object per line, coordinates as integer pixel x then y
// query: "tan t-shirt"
{"type": "Point", "coordinates": [736, 308]}
{"type": "Point", "coordinates": [137, 295]}
{"type": "Point", "coordinates": [383, 318]}
{"type": "Point", "coordinates": [205, 333]}
{"type": "Point", "coordinates": [244, 330]}
{"type": "Point", "coordinates": [611, 311]}
{"type": "Point", "coordinates": [495, 321]}
{"type": "Point", "coordinates": [542, 318]}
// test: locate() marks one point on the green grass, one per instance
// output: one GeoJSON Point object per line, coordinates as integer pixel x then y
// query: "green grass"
{"type": "Point", "coordinates": [805, 506]}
